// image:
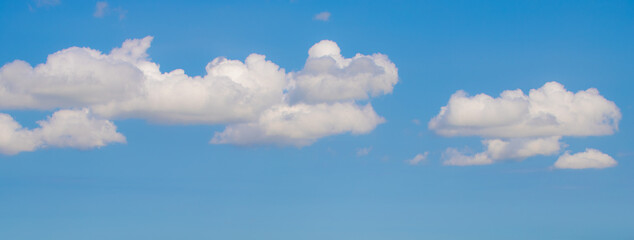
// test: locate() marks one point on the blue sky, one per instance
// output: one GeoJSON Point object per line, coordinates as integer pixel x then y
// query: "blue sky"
{"type": "Point", "coordinates": [488, 169]}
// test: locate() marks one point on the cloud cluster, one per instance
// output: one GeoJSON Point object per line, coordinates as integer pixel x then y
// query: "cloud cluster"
{"type": "Point", "coordinates": [256, 99]}
{"type": "Point", "coordinates": [517, 126]}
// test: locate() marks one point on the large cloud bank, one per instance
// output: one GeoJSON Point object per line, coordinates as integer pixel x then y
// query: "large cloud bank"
{"type": "Point", "coordinates": [258, 101]}
{"type": "Point", "coordinates": [516, 126]}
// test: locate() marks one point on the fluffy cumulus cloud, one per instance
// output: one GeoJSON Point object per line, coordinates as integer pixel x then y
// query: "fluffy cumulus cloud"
{"type": "Point", "coordinates": [548, 111]}
{"type": "Point", "coordinates": [591, 158]}
{"type": "Point", "coordinates": [258, 101]}
{"type": "Point", "coordinates": [516, 125]}
{"type": "Point", "coordinates": [329, 77]}
{"type": "Point", "coordinates": [65, 128]}
{"type": "Point", "coordinates": [301, 124]}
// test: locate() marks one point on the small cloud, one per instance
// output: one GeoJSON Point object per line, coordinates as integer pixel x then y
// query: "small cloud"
{"type": "Point", "coordinates": [65, 128]}
{"type": "Point", "coordinates": [591, 158]}
{"type": "Point", "coordinates": [100, 9]}
{"type": "Point", "coordinates": [416, 121]}
{"type": "Point", "coordinates": [418, 158]}
{"type": "Point", "coordinates": [363, 151]}
{"type": "Point", "coordinates": [322, 16]}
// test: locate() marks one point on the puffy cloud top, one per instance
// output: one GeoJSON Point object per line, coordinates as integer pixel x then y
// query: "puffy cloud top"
{"type": "Point", "coordinates": [548, 111]}
{"type": "Point", "coordinates": [329, 77]}
{"type": "Point", "coordinates": [591, 158]}
{"type": "Point", "coordinates": [324, 48]}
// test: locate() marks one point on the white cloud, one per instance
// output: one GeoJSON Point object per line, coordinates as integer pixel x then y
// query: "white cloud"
{"type": "Point", "coordinates": [15, 139]}
{"type": "Point", "coordinates": [516, 125]}
{"type": "Point", "coordinates": [125, 84]}
{"type": "Point", "coordinates": [232, 91]}
{"type": "Point", "coordinates": [522, 147]}
{"type": "Point", "coordinates": [100, 9]}
{"type": "Point", "coordinates": [301, 124]}
{"type": "Point", "coordinates": [329, 77]}
{"type": "Point", "coordinates": [73, 77]}
{"type": "Point", "coordinates": [421, 157]}
{"type": "Point", "coordinates": [65, 128]}
{"type": "Point", "coordinates": [548, 111]}
{"type": "Point", "coordinates": [322, 16]}
{"type": "Point", "coordinates": [255, 98]}
{"type": "Point", "coordinates": [591, 158]}
{"type": "Point", "coordinates": [499, 150]}
{"type": "Point", "coordinates": [364, 151]}
{"type": "Point", "coordinates": [77, 129]}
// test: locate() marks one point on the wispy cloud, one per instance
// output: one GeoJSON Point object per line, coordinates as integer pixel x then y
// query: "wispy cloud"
{"type": "Point", "coordinates": [421, 157]}
{"type": "Point", "coordinates": [322, 16]}
{"type": "Point", "coordinates": [100, 9]}
{"type": "Point", "coordinates": [364, 151]}
{"type": "Point", "coordinates": [103, 8]}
